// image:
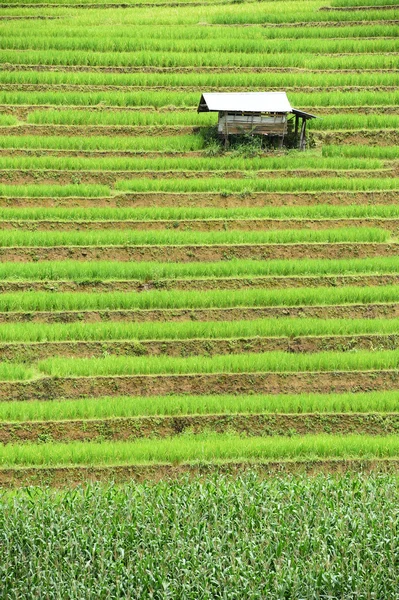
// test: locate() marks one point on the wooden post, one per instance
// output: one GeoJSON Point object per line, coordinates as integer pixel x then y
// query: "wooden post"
{"type": "Point", "coordinates": [296, 129]}
{"type": "Point", "coordinates": [302, 142]}
{"type": "Point", "coordinates": [226, 131]}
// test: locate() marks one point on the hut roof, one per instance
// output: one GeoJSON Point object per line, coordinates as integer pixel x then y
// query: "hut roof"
{"type": "Point", "coordinates": [256, 102]}
{"type": "Point", "coordinates": [245, 102]}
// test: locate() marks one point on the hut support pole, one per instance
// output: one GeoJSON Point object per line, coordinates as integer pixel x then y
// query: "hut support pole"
{"type": "Point", "coordinates": [226, 132]}
{"type": "Point", "coordinates": [296, 129]}
{"type": "Point", "coordinates": [302, 137]}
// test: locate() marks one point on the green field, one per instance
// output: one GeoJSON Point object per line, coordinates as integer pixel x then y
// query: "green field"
{"type": "Point", "coordinates": [172, 309]}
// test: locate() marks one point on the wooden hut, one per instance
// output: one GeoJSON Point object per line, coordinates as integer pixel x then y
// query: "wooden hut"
{"type": "Point", "coordinates": [256, 113]}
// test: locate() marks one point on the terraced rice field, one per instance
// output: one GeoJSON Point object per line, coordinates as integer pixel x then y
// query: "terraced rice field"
{"type": "Point", "coordinates": [167, 306]}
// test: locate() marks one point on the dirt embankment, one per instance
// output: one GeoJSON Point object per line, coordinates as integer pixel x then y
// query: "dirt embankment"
{"type": "Point", "coordinates": [355, 311]}
{"type": "Point", "coordinates": [30, 352]}
{"type": "Point", "coordinates": [165, 426]}
{"type": "Point", "coordinates": [198, 284]}
{"type": "Point", "coordinates": [391, 225]}
{"type": "Point", "coordinates": [209, 199]}
{"type": "Point", "coordinates": [199, 253]}
{"type": "Point", "coordinates": [72, 476]}
{"type": "Point", "coordinates": [48, 388]}
{"type": "Point", "coordinates": [67, 177]}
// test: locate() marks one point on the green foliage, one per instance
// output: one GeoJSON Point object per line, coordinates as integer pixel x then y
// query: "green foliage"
{"type": "Point", "coordinates": [286, 537]}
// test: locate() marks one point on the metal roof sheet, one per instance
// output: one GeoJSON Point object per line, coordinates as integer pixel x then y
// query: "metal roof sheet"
{"type": "Point", "coordinates": [245, 102]}
{"type": "Point", "coordinates": [302, 113]}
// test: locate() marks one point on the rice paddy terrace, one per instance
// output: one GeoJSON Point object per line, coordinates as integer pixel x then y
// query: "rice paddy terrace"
{"type": "Point", "coordinates": [167, 306]}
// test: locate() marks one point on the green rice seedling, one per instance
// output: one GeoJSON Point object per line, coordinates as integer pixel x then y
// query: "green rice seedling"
{"type": "Point", "coordinates": [58, 191]}
{"type": "Point", "coordinates": [88, 29]}
{"type": "Point", "coordinates": [139, 118]}
{"type": "Point", "coordinates": [15, 372]}
{"type": "Point", "coordinates": [251, 184]}
{"type": "Point", "coordinates": [384, 152]}
{"type": "Point", "coordinates": [178, 143]}
{"type": "Point", "coordinates": [190, 79]}
{"type": "Point", "coordinates": [149, 271]}
{"type": "Point", "coordinates": [76, 301]}
{"type": "Point", "coordinates": [235, 15]}
{"type": "Point", "coordinates": [178, 216]}
{"type": "Point", "coordinates": [178, 238]}
{"type": "Point", "coordinates": [145, 35]}
{"type": "Point", "coordinates": [350, 3]}
{"type": "Point", "coordinates": [200, 448]}
{"type": "Point", "coordinates": [205, 164]}
{"type": "Point", "coordinates": [247, 45]}
{"type": "Point", "coordinates": [150, 58]}
{"type": "Point", "coordinates": [355, 122]}
{"type": "Point", "coordinates": [159, 99]}
{"type": "Point", "coordinates": [135, 406]}
{"type": "Point", "coordinates": [7, 120]}
{"type": "Point", "coordinates": [276, 362]}
{"type": "Point", "coordinates": [289, 327]}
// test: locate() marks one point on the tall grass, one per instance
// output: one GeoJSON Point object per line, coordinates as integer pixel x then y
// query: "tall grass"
{"type": "Point", "coordinates": [276, 362]}
{"type": "Point", "coordinates": [45, 301]}
{"type": "Point", "coordinates": [186, 330]}
{"type": "Point", "coordinates": [177, 238]}
{"type": "Point", "coordinates": [153, 271]}
{"type": "Point", "coordinates": [136, 406]}
{"type": "Point", "coordinates": [200, 448]}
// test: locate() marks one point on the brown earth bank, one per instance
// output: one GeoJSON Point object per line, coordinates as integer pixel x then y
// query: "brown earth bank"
{"type": "Point", "coordinates": [33, 351]}
{"type": "Point", "coordinates": [66, 87]}
{"type": "Point", "coordinates": [51, 388]}
{"type": "Point", "coordinates": [75, 476]}
{"type": "Point", "coordinates": [210, 199]}
{"type": "Point", "coordinates": [357, 8]}
{"type": "Point", "coordinates": [339, 23]}
{"type": "Point", "coordinates": [245, 224]}
{"type": "Point", "coordinates": [355, 311]}
{"type": "Point", "coordinates": [114, 5]}
{"type": "Point", "coordinates": [381, 137]}
{"type": "Point", "coordinates": [199, 253]}
{"type": "Point", "coordinates": [128, 429]}
{"type": "Point", "coordinates": [183, 69]}
{"type": "Point", "coordinates": [198, 284]}
{"type": "Point", "coordinates": [58, 176]}
{"type": "Point", "coordinates": [97, 130]}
